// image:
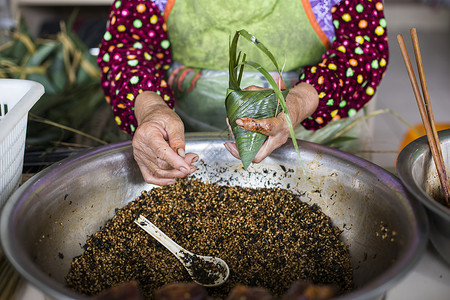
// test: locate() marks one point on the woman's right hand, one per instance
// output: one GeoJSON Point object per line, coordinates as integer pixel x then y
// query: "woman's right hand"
{"type": "Point", "coordinates": [158, 143]}
{"type": "Point", "coordinates": [301, 101]}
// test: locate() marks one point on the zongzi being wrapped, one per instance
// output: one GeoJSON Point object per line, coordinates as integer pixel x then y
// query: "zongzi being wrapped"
{"type": "Point", "coordinates": [257, 104]}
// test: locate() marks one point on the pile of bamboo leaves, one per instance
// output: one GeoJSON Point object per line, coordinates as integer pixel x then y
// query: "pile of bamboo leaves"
{"type": "Point", "coordinates": [72, 110]}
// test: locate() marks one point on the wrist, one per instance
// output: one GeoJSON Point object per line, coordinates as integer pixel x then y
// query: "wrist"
{"type": "Point", "coordinates": [303, 101]}
{"type": "Point", "coordinates": [145, 102]}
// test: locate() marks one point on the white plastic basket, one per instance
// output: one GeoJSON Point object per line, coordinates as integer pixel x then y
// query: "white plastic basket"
{"type": "Point", "coordinates": [17, 97]}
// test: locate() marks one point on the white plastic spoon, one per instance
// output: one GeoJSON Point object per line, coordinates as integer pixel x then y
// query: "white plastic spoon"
{"type": "Point", "coordinates": [205, 270]}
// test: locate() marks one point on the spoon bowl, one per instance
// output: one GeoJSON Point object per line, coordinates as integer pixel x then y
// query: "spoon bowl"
{"type": "Point", "coordinates": [208, 271]}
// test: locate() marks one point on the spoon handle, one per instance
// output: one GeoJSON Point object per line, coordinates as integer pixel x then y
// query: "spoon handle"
{"type": "Point", "coordinates": [160, 236]}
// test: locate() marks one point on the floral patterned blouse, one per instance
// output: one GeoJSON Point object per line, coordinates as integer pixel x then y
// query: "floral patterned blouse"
{"type": "Point", "coordinates": [135, 54]}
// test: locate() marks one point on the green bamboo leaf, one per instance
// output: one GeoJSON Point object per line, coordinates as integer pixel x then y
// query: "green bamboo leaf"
{"type": "Point", "coordinates": [88, 70]}
{"type": "Point", "coordinates": [234, 59]}
{"type": "Point", "coordinates": [235, 101]}
{"type": "Point", "coordinates": [72, 18]}
{"type": "Point", "coordinates": [15, 51]}
{"type": "Point", "coordinates": [57, 70]}
{"type": "Point", "coordinates": [78, 43]}
{"type": "Point", "coordinates": [16, 48]}
{"type": "Point", "coordinates": [282, 102]}
{"type": "Point", "coordinates": [42, 53]}
{"type": "Point", "coordinates": [260, 45]}
{"type": "Point", "coordinates": [259, 104]}
{"type": "Point", "coordinates": [45, 81]}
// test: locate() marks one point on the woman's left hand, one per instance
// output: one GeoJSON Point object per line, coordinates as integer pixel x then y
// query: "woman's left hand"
{"type": "Point", "coordinates": [301, 101]}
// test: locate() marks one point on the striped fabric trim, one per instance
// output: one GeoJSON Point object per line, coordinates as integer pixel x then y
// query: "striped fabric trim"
{"type": "Point", "coordinates": [168, 9]}
{"type": "Point", "coordinates": [312, 19]}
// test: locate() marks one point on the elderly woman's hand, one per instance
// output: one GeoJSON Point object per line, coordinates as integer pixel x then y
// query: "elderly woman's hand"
{"type": "Point", "coordinates": [301, 101]}
{"type": "Point", "coordinates": [158, 143]}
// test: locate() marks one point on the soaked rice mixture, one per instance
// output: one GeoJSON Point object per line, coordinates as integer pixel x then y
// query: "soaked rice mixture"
{"type": "Point", "coordinates": [268, 237]}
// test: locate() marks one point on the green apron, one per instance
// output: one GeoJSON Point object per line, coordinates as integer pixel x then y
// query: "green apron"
{"type": "Point", "coordinates": [200, 44]}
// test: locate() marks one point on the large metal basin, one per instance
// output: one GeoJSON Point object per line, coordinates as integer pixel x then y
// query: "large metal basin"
{"type": "Point", "coordinates": [48, 219]}
{"type": "Point", "coordinates": [416, 168]}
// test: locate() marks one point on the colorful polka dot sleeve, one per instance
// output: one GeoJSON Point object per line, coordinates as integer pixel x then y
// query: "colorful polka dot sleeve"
{"type": "Point", "coordinates": [350, 72]}
{"type": "Point", "coordinates": [133, 58]}
{"type": "Point", "coordinates": [135, 54]}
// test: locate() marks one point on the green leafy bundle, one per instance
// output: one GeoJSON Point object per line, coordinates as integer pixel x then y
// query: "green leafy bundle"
{"type": "Point", "coordinates": [73, 110]}
{"type": "Point", "coordinates": [260, 104]}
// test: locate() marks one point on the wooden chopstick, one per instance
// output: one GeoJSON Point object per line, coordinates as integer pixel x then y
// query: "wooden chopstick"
{"type": "Point", "coordinates": [425, 110]}
{"type": "Point", "coordinates": [426, 96]}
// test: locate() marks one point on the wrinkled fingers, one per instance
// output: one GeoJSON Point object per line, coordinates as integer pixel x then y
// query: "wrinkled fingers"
{"type": "Point", "coordinates": [155, 175]}
{"type": "Point", "coordinates": [232, 148]}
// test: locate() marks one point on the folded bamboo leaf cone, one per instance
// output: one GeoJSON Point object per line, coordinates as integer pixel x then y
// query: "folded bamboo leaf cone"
{"type": "Point", "coordinates": [260, 104]}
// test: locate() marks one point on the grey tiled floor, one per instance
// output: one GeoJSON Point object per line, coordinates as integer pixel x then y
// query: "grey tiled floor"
{"type": "Point", "coordinates": [395, 91]}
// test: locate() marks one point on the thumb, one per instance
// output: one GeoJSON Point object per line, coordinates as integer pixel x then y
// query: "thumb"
{"type": "Point", "coordinates": [264, 126]}
{"type": "Point", "coordinates": [255, 88]}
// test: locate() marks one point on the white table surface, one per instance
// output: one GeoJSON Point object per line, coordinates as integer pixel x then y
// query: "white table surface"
{"type": "Point", "coordinates": [429, 280]}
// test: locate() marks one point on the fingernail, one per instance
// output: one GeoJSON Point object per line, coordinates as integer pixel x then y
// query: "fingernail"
{"type": "Point", "coordinates": [184, 170]}
{"type": "Point", "coordinates": [230, 149]}
{"type": "Point", "coordinates": [239, 122]}
{"type": "Point", "coordinates": [195, 159]}
{"type": "Point", "coordinates": [181, 152]}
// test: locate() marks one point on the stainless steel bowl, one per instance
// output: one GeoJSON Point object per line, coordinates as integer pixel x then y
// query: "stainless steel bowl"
{"type": "Point", "coordinates": [47, 220]}
{"type": "Point", "coordinates": [416, 169]}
